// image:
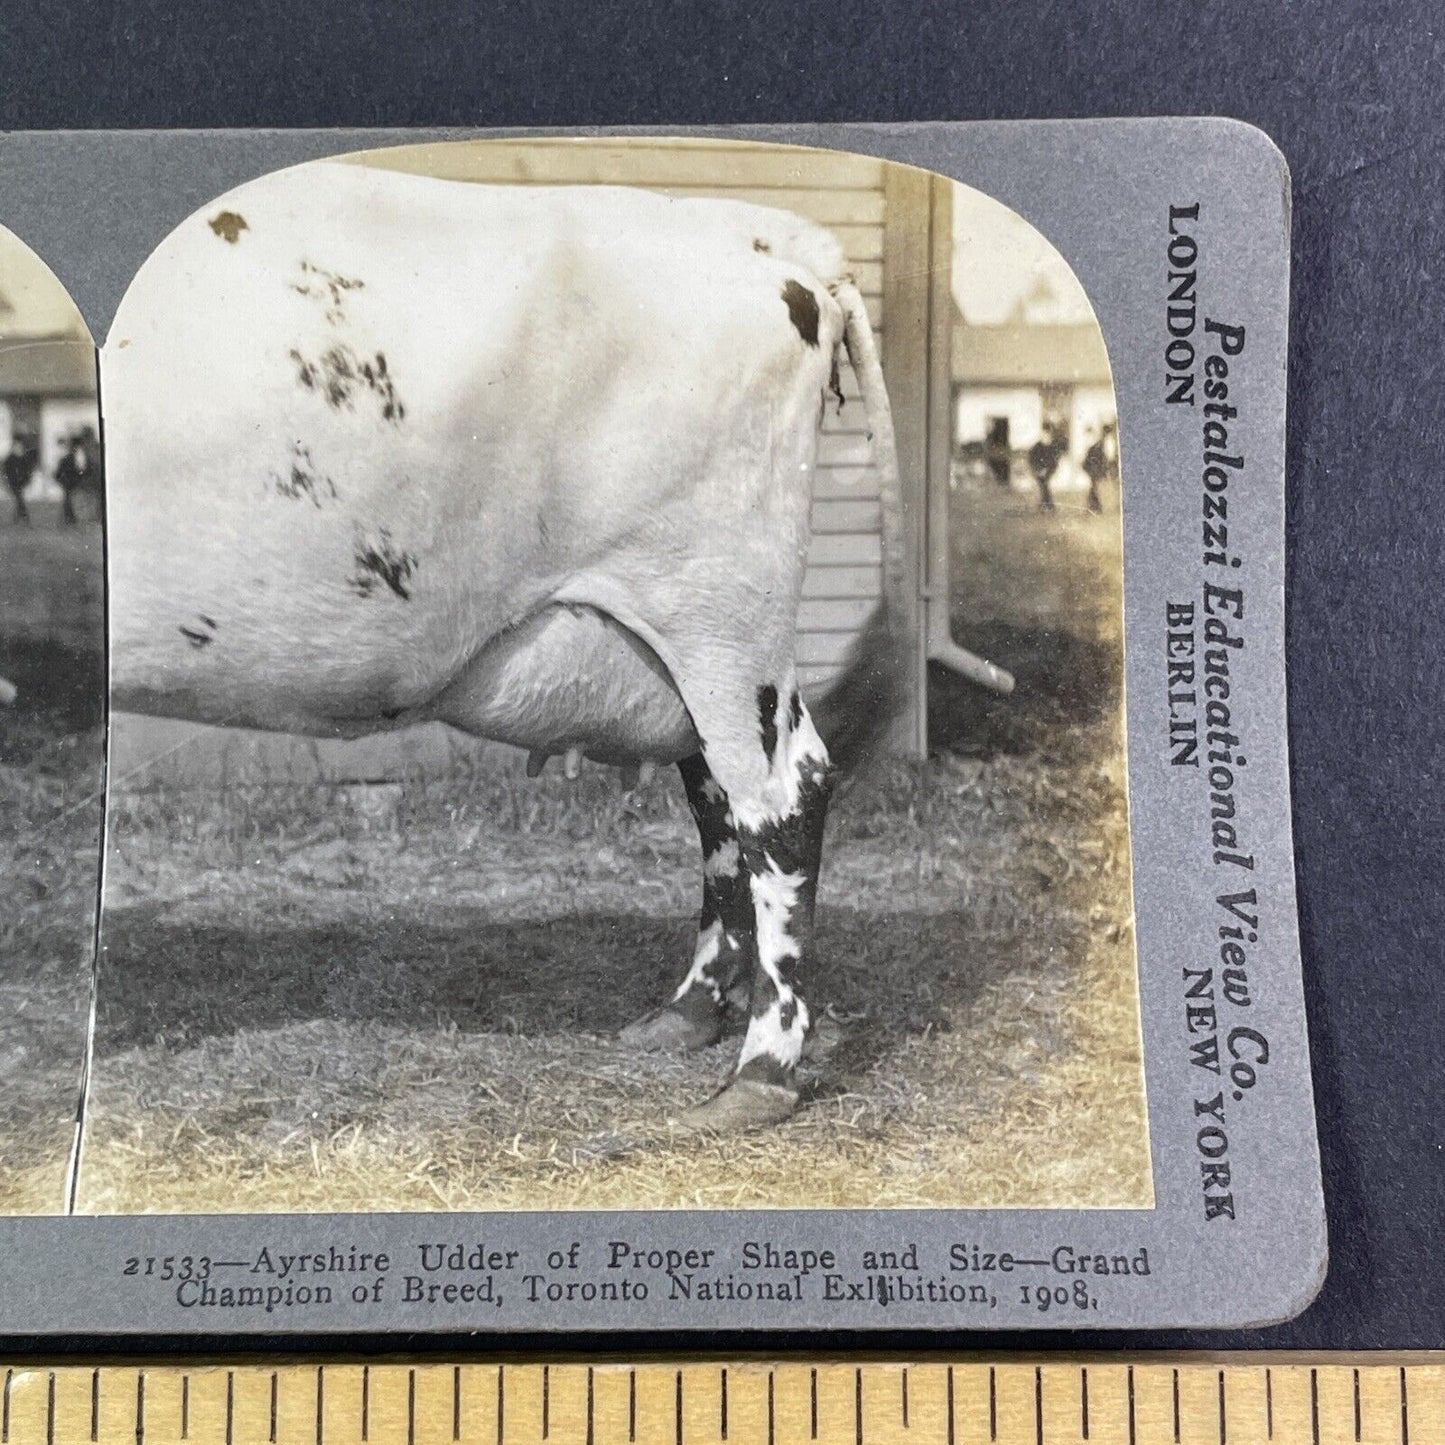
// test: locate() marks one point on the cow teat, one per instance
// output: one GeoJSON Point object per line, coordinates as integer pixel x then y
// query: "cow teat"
{"type": "Point", "coordinates": [635, 776]}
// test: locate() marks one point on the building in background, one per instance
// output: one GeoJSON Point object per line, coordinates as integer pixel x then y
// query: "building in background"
{"type": "Point", "coordinates": [1009, 381]}
{"type": "Point", "coordinates": [1027, 348]}
{"type": "Point", "coordinates": [47, 365]}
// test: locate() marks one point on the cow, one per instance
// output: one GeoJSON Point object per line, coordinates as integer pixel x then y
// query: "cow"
{"type": "Point", "coordinates": [535, 462]}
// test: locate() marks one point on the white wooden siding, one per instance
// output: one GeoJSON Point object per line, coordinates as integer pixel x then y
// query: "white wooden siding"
{"type": "Point", "coordinates": [842, 192]}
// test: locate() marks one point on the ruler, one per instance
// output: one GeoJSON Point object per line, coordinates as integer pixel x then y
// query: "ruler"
{"type": "Point", "coordinates": [1149, 1401]}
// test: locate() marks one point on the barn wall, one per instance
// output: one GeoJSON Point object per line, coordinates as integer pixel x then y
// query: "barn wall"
{"type": "Point", "coordinates": [1088, 406]}
{"type": "Point", "coordinates": [851, 195]}
{"type": "Point", "coordinates": [56, 419]}
{"type": "Point", "coordinates": [1093, 405]}
{"type": "Point", "coordinates": [60, 418]}
{"type": "Point", "coordinates": [1022, 405]}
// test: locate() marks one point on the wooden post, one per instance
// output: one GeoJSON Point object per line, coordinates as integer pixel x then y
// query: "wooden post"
{"type": "Point", "coordinates": [907, 253]}
{"type": "Point", "coordinates": [938, 543]}
{"type": "Point", "coordinates": [917, 365]}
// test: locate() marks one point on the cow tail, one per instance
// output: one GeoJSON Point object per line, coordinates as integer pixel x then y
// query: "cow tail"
{"type": "Point", "coordinates": [858, 710]}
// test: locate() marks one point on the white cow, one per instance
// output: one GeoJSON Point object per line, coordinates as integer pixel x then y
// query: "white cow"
{"type": "Point", "coordinates": [535, 462]}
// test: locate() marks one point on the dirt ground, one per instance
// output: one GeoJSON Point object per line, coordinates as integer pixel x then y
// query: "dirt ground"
{"type": "Point", "coordinates": [50, 816]}
{"type": "Point", "coordinates": [404, 998]}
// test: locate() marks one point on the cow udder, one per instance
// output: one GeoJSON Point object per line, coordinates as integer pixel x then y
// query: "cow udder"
{"type": "Point", "coordinates": [572, 677]}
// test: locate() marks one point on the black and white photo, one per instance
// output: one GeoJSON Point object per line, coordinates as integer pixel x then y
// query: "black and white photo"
{"type": "Point", "coordinates": [52, 706]}
{"type": "Point", "coordinates": [606, 474]}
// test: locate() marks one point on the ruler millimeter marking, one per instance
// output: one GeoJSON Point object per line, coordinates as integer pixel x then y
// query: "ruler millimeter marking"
{"type": "Point", "coordinates": [1015, 1402]}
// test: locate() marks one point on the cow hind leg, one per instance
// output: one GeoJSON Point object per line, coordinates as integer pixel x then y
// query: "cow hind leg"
{"type": "Point", "coordinates": [723, 957]}
{"type": "Point", "coordinates": [781, 780]}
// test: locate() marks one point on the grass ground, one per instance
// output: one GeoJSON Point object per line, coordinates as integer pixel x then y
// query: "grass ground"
{"type": "Point", "coordinates": [405, 998]}
{"type": "Point", "coordinates": [50, 817]}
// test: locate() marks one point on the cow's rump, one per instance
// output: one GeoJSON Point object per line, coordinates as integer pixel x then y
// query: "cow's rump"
{"type": "Point", "coordinates": [369, 432]}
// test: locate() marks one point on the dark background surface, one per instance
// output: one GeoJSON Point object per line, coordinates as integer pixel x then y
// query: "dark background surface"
{"type": "Point", "coordinates": [1354, 94]}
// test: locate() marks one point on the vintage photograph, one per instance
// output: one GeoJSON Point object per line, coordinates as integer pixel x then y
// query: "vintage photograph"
{"type": "Point", "coordinates": [617, 684]}
{"type": "Point", "coordinates": [52, 711]}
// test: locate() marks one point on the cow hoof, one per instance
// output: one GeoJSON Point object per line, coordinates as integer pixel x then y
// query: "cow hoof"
{"type": "Point", "coordinates": [744, 1104]}
{"type": "Point", "coordinates": [668, 1030]}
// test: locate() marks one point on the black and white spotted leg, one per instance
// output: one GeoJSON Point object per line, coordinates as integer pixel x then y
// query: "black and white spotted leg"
{"type": "Point", "coordinates": [722, 963]}
{"type": "Point", "coordinates": [780, 837]}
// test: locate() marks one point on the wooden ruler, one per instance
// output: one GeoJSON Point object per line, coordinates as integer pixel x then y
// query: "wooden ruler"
{"type": "Point", "coordinates": [1156, 1400]}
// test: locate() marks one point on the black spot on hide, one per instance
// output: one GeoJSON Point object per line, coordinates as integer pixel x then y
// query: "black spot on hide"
{"type": "Point", "coordinates": [376, 377]}
{"type": "Point", "coordinates": [202, 636]}
{"type": "Point", "coordinates": [328, 287]}
{"type": "Point", "coordinates": [795, 843]}
{"type": "Point", "coordinates": [802, 310]}
{"type": "Point", "coordinates": [768, 717]}
{"type": "Point", "coordinates": [761, 245]}
{"type": "Point", "coordinates": [338, 374]}
{"type": "Point", "coordinates": [795, 711]}
{"type": "Point", "coordinates": [380, 561]}
{"type": "Point", "coordinates": [303, 480]}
